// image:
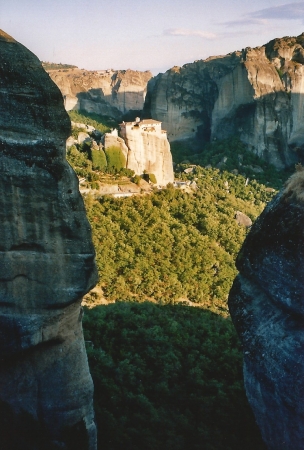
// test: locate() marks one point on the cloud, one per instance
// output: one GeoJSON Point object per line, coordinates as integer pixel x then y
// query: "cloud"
{"type": "Point", "coordinates": [288, 11]}
{"type": "Point", "coordinates": [187, 32]}
{"type": "Point", "coordinates": [245, 21]}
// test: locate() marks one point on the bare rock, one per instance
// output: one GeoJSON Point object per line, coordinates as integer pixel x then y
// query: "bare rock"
{"type": "Point", "coordinates": [104, 92]}
{"type": "Point", "coordinates": [267, 308]}
{"type": "Point", "coordinates": [47, 265]}
{"type": "Point", "coordinates": [255, 94]}
{"type": "Point", "coordinates": [82, 137]}
{"type": "Point", "coordinates": [243, 219]}
{"type": "Point", "coordinates": [148, 149]}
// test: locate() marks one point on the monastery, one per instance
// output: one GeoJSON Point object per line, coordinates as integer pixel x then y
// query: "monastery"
{"type": "Point", "coordinates": [145, 125]}
{"type": "Point", "coordinates": [148, 149]}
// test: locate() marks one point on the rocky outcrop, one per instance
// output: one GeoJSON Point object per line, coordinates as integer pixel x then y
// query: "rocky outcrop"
{"type": "Point", "coordinates": [113, 140]}
{"type": "Point", "coordinates": [106, 92]}
{"type": "Point", "coordinates": [47, 265]}
{"type": "Point", "coordinates": [256, 94]}
{"type": "Point", "coordinates": [267, 308]}
{"type": "Point", "coordinates": [146, 149]}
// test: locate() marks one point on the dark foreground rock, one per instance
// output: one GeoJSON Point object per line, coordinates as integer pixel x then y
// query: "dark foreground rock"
{"type": "Point", "coordinates": [267, 307]}
{"type": "Point", "coordinates": [46, 266]}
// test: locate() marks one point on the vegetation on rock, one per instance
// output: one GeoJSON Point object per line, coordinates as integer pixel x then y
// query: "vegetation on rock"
{"type": "Point", "coordinates": [233, 156]}
{"type": "Point", "coordinates": [115, 159]}
{"type": "Point", "coordinates": [56, 66]}
{"type": "Point", "coordinates": [101, 123]}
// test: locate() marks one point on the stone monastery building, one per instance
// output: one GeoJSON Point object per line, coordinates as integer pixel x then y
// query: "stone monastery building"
{"type": "Point", "coordinates": [145, 125]}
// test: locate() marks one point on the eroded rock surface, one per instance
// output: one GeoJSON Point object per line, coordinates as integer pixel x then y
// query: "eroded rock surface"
{"type": "Point", "coordinates": [145, 147]}
{"type": "Point", "coordinates": [266, 303]}
{"type": "Point", "coordinates": [46, 266]}
{"type": "Point", "coordinates": [256, 94]}
{"type": "Point", "coordinates": [105, 92]}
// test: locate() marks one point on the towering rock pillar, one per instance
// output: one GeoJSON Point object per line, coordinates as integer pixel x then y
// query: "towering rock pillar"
{"type": "Point", "coordinates": [267, 307]}
{"type": "Point", "coordinates": [46, 266]}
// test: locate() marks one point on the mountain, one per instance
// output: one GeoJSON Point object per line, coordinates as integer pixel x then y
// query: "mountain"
{"type": "Point", "coordinates": [106, 92]}
{"type": "Point", "coordinates": [255, 94]}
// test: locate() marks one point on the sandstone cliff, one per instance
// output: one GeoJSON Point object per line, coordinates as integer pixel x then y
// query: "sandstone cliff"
{"type": "Point", "coordinates": [256, 94]}
{"type": "Point", "coordinates": [47, 265]}
{"type": "Point", "coordinates": [266, 305]}
{"type": "Point", "coordinates": [105, 92]}
{"type": "Point", "coordinates": [146, 149]}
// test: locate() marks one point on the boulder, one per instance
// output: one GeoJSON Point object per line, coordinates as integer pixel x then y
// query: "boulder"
{"type": "Point", "coordinates": [243, 219]}
{"type": "Point", "coordinates": [47, 265]}
{"type": "Point", "coordinates": [83, 137]}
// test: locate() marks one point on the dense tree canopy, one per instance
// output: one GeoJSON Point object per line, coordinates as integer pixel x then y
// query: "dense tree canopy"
{"type": "Point", "coordinates": [167, 378]}
{"type": "Point", "coordinates": [173, 245]}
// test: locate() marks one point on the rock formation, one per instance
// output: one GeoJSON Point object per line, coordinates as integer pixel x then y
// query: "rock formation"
{"type": "Point", "coordinates": [106, 92]}
{"type": "Point", "coordinates": [266, 303]}
{"type": "Point", "coordinates": [145, 147]}
{"type": "Point", "coordinates": [47, 265]}
{"type": "Point", "coordinates": [256, 94]}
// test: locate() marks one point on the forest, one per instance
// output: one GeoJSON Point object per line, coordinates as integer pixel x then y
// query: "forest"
{"type": "Point", "coordinates": [163, 353]}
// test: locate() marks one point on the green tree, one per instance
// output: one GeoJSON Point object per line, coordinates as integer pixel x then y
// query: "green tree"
{"type": "Point", "coordinates": [167, 378]}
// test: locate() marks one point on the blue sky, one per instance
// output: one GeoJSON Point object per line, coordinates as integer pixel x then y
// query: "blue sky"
{"type": "Point", "coordinates": [145, 34]}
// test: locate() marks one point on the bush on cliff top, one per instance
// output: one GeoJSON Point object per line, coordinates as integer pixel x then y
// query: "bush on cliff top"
{"type": "Point", "coordinates": [101, 123]}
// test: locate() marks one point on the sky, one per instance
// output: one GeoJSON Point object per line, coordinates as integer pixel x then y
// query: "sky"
{"type": "Point", "coordinates": [145, 34]}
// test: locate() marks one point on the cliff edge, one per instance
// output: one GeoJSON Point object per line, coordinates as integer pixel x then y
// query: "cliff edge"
{"type": "Point", "coordinates": [47, 265]}
{"type": "Point", "coordinates": [256, 94]}
{"type": "Point", "coordinates": [106, 92]}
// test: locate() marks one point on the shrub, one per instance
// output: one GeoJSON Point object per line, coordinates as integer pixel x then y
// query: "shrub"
{"type": "Point", "coordinates": [127, 173]}
{"type": "Point", "coordinates": [167, 377]}
{"type": "Point", "coordinates": [152, 178]}
{"type": "Point", "coordinates": [149, 177]}
{"type": "Point", "coordinates": [115, 159]}
{"type": "Point", "coordinates": [98, 158]}
{"type": "Point", "coordinates": [136, 179]}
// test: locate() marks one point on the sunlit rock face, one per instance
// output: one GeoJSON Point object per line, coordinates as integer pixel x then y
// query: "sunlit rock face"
{"type": "Point", "coordinates": [46, 266]}
{"type": "Point", "coordinates": [256, 94]}
{"type": "Point", "coordinates": [106, 92]}
{"type": "Point", "coordinates": [266, 303]}
{"type": "Point", "coordinates": [145, 147]}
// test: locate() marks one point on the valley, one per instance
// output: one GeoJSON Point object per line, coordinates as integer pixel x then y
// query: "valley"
{"type": "Point", "coordinates": [176, 172]}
